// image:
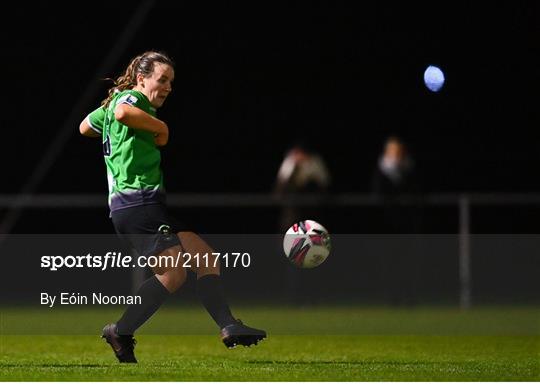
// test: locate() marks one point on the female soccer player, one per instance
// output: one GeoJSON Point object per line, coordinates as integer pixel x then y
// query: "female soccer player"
{"type": "Point", "coordinates": [132, 134]}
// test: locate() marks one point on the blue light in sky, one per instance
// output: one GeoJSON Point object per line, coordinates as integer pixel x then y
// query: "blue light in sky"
{"type": "Point", "coordinates": [434, 78]}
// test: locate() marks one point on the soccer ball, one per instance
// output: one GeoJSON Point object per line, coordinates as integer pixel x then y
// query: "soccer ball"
{"type": "Point", "coordinates": [307, 244]}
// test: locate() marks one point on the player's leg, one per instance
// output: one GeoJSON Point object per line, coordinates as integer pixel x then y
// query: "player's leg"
{"type": "Point", "coordinates": [207, 269]}
{"type": "Point", "coordinates": [153, 293]}
{"type": "Point", "coordinates": [147, 230]}
{"type": "Point", "coordinates": [211, 293]}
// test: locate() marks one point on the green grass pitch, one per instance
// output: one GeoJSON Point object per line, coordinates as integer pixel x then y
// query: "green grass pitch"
{"type": "Point", "coordinates": [341, 343]}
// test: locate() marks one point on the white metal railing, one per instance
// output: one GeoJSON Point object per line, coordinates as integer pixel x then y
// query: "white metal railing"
{"type": "Point", "coordinates": [11, 201]}
{"type": "Point", "coordinates": [462, 201]}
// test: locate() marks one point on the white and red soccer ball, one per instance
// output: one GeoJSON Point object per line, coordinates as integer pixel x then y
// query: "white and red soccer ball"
{"type": "Point", "coordinates": [307, 244]}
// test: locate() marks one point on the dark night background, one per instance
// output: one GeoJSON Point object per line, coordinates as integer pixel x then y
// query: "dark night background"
{"type": "Point", "coordinates": [252, 78]}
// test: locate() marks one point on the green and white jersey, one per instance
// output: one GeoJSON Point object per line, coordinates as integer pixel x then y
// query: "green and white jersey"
{"type": "Point", "coordinates": [131, 156]}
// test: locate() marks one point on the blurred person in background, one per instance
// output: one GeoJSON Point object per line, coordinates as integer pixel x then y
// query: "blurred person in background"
{"type": "Point", "coordinates": [302, 171]}
{"type": "Point", "coordinates": [395, 174]}
{"type": "Point", "coordinates": [396, 182]}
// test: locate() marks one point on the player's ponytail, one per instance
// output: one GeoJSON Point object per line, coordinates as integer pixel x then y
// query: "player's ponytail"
{"type": "Point", "coordinates": [143, 64]}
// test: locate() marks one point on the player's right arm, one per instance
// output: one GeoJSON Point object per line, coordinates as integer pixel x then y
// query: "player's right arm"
{"type": "Point", "coordinates": [92, 125]}
{"type": "Point", "coordinates": [86, 130]}
{"type": "Point", "coordinates": [136, 118]}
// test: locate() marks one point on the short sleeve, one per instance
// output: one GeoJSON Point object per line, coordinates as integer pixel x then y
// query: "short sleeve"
{"type": "Point", "coordinates": [96, 119]}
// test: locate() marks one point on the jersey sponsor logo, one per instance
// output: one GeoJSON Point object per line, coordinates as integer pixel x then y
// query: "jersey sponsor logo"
{"type": "Point", "coordinates": [128, 99]}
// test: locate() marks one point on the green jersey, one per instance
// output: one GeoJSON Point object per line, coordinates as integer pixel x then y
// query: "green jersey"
{"type": "Point", "coordinates": [131, 156]}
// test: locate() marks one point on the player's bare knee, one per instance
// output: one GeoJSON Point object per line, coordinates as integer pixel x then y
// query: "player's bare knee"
{"type": "Point", "coordinates": [173, 279]}
{"type": "Point", "coordinates": [212, 268]}
{"type": "Point", "coordinates": [193, 243]}
{"type": "Point", "coordinates": [207, 263]}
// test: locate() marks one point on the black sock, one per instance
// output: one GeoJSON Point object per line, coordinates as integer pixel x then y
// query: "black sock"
{"type": "Point", "coordinates": [153, 294]}
{"type": "Point", "coordinates": [212, 296]}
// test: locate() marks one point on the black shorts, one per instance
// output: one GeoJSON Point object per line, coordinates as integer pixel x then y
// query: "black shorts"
{"type": "Point", "coordinates": [147, 228]}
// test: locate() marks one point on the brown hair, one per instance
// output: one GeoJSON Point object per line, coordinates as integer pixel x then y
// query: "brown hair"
{"type": "Point", "coordinates": [143, 64]}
